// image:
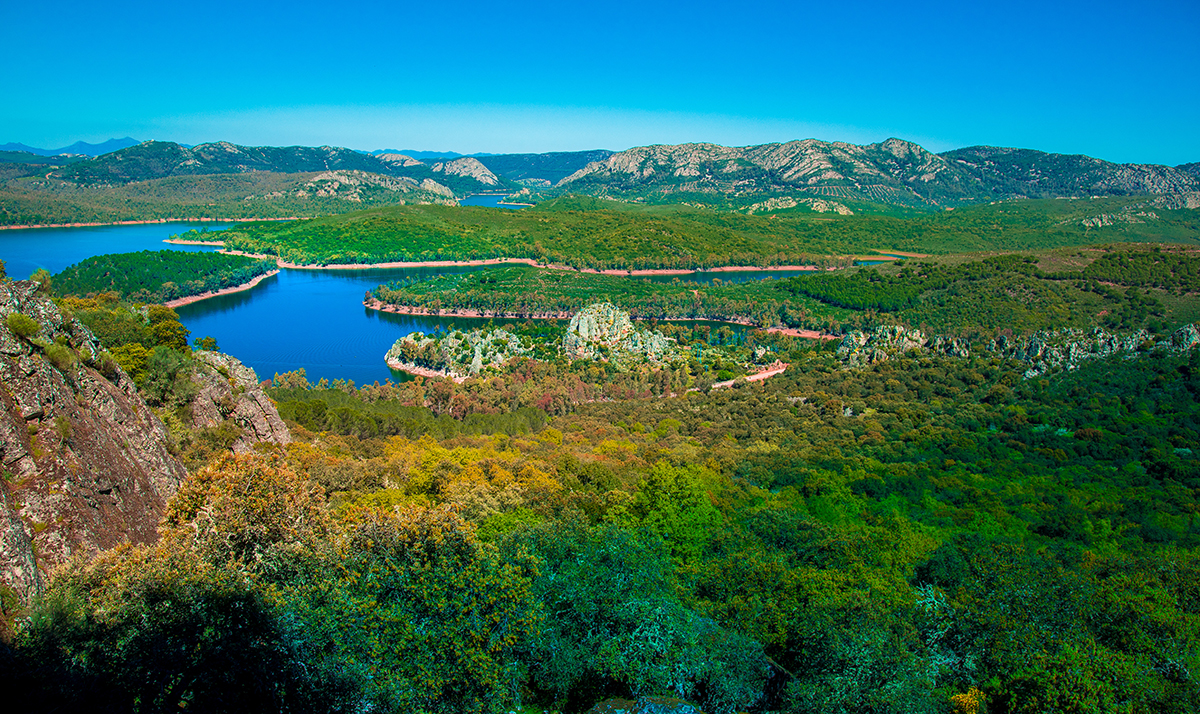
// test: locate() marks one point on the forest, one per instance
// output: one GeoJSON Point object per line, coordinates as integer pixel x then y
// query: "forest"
{"type": "Point", "coordinates": [157, 276]}
{"type": "Point", "coordinates": [906, 531]}
{"type": "Point", "coordinates": [1120, 287]}
{"type": "Point", "coordinates": [590, 233]}
{"type": "Point", "coordinates": [922, 535]}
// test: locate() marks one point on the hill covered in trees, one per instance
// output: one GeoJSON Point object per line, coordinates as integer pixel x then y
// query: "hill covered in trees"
{"type": "Point", "coordinates": [585, 232]}
{"type": "Point", "coordinates": [158, 276]}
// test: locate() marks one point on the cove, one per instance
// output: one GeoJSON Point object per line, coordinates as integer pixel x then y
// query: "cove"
{"type": "Point", "coordinates": [310, 319]}
{"type": "Point", "coordinates": [25, 250]}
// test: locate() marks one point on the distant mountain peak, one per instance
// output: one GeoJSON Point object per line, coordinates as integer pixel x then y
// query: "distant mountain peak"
{"type": "Point", "coordinates": [79, 148]}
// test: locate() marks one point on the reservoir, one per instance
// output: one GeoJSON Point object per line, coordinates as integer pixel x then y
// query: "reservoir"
{"type": "Point", "coordinates": [310, 319]}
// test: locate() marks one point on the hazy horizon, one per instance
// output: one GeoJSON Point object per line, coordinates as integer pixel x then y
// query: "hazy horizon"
{"type": "Point", "coordinates": [1105, 80]}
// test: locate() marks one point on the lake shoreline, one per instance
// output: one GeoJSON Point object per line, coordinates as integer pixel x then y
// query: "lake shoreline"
{"type": "Point", "coordinates": [150, 222]}
{"type": "Point", "coordinates": [180, 302]}
{"type": "Point", "coordinates": [376, 304]}
{"type": "Point", "coordinates": [508, 261]}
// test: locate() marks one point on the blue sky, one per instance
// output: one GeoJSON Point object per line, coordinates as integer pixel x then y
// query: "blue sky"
{"type": "Point", "coordinates": [1111, 80]}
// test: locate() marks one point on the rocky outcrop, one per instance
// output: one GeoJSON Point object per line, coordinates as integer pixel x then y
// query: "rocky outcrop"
{"type": "Point", "coordinates": [859, 349]}
{"type": "Point", "coordinates": [85, 462]}
{"type": "Point", "coordinates": [604, 331]}
{"type": "Point", "coordinates": [457, 355]}
{"type": "Point", "coordinates": [229, 391]}
{"type": "Point", "coordinates": [893, 171]}
{"type": "Point", "coordinates": [816, 205]}
{"type": "Point", "coordinates": [1058, 350]}
{"type": "Point", "coordinates": [357, 186]}
{"type": "Point", "coordinates": [467, 167]}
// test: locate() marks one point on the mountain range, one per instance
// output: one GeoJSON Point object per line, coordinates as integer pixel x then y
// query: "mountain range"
{"type": "Point", "coordinates": [889, 172]}
{"type": "Point", "coordinates": [221, 179]}
{"type": "Point", "coordinates": [79, 147]}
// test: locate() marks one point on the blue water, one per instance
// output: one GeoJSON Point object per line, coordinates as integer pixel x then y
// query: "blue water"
{"type": "Point", "coordinates": [490, 201]}
{"type": "Point", "coordinates": [310, 319]}
{"type": "Point", "coordinates": [25, 250]}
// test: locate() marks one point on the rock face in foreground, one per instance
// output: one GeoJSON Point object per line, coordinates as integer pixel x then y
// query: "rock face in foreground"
{"type": "Point", "coordinates": [230, 391]}
{"type": "Point", "coordinates": [859, 349]}
{"type": "Point", "coordinates": [85, 461]}
{"type": "Point", "coordinates": [604, 331]}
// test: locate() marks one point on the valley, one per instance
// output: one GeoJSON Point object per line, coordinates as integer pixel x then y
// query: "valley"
{"type": "Point", "coordinates": [681, 431]}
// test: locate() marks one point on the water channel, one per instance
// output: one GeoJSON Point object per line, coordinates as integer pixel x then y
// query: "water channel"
{"type": "Point", "coordinates": [311, 319]}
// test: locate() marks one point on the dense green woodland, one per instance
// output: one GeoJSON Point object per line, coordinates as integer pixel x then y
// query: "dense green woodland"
{"type": "Point", "coordinates": [1119, 288]}
{"type": "Point", "coordinates": [158, 276]}
{"type": "Point", "coordinates": [921, 534]}
{"type": "Point", "coordinates": [915, 536]}
{"type": "Point", "coordinates": [27, 198]}
{"type": "Point", "coordinates": [591, 233]}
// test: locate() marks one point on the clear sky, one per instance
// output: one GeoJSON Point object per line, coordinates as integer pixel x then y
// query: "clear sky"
{"type": "Point", "coordinates": [1114, 80]}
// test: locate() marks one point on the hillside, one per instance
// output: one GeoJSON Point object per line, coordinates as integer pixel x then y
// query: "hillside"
{"type": "Point", "coordinates": [541, 169]}
{"type": "Point", "coordinates": [586, 232]}
{"type": "Point", "coordinates": [162, 159]}
{"type": "Point", "coordinates": [894, 172]}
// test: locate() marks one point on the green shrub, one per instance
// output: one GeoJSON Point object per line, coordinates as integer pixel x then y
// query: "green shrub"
{"type": "Point", "coordinates": [61, 356]}
{"type": "Point", "coordinates": [23, 325]}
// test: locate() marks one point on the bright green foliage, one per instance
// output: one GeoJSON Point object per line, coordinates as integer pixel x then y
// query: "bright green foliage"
{"type": "Point", "coordinates": [170, 334]}
{"type": "Point", "coordinates": [22, 325]}
{"type": "Point", "coordinates": [132, 358]}
{"type": "Point", "coordinates": [158, 276]}
{"type": "Point", "coordinates": [439, 615]}
{"type": "Point", "coordinates": [206, 344]}
{"type": "Point", "coordinates": [41, 276]}
{"type": "Point", "coordinates": [586, 233]}
{"type": "Point", "coordinates": [522, 291]}
{"type": "Point", "coordinates": [673, 504]}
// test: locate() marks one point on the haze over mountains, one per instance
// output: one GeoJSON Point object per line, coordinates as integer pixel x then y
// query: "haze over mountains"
{"type": "Point", "coordinates": [79, 147]}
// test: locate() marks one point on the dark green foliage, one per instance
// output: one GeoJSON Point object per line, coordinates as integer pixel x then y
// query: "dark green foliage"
{"type": "Point", "coordinates": [614, 625]}
{"type": "Point", "coordinates": [522, 291]}
{"type": "Point", "coordinates": [206, 644]}
{"type": "Point", "coordinates": [167, 377]}
{"type": "Point", "coordinates": [343, 413]}
{"type": "Point", "coordinates": [1169, 270]}
{"type": "Point", "coordinates": [158, 276]}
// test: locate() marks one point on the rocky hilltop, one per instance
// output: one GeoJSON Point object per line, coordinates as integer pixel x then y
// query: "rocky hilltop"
{"type": "Point", "coordinates": [468, 167]}
{"type": "Point", "coordinates": [152, 160]}
{"type": "Point", "coordinates": [457, 355]}
{"type": "Point", "coordinates": [85, 461]}
{"type": "Point", "coordinates": [359, 186]}
{"type": "Point", "coordinates": [859, 349]}
{"type": "Point", "coordinates": [605, 331]}
{"type": "Point", "coordinates": [1044, 352]}
{"type": "Point", "coordinates": [893, 171]}
{"type": "Point", "coordinates": [1057, 350]}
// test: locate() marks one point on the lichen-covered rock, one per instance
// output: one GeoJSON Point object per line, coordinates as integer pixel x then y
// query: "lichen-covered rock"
{"type": "Point", "coordinates": [645, 705]}
{"type": "Point", "coordinates": [230, 391]}
{"type": "Point", "coordinates": [1057, 350]}
{"type": "Point", "coordinates": [85, 462]}
{"type": "Point", "coordinates": [859, 349]}
{"type": "Point", "coordinates": [604, 331]}
{"type": "Point", "coordinates": [457, 354]}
